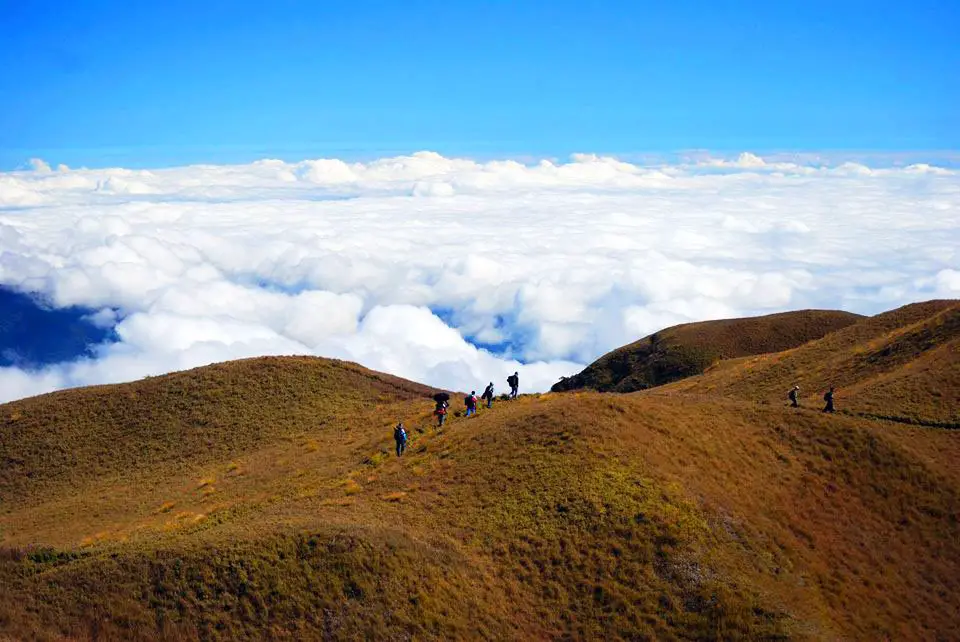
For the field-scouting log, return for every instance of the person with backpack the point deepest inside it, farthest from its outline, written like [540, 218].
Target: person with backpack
[488, 394]
[400, 436]
[441, 412]
[828, 397]
[514, 382]
[793, 396]
[470, 401]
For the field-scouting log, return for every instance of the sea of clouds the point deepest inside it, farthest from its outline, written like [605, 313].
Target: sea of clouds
[455, 272]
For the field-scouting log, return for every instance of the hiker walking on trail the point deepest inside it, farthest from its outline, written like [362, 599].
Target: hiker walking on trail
[400, 436]
[488, 394]
[514, 382]
[470, 401]
[828, 397]
[442, 399]
[793, 395]
[441, 413]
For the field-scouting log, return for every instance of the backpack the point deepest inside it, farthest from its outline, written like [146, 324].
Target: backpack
[466, 401]
[400, 434]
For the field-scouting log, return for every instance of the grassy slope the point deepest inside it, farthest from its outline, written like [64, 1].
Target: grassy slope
[904, 364]
[54, 442]
[686, 350]
[657, 516]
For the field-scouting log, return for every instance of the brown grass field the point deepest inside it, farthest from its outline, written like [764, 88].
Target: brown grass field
[685, 350]
[903, 365]
[261, 499]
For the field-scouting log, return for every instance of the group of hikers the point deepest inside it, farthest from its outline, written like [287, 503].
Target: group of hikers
[794, 397]
[471, 402]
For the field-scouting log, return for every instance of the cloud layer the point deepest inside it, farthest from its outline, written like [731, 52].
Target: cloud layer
[455, 272]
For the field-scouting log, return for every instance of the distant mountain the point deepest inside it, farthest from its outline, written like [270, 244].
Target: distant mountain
[263, 499]
[689, 349]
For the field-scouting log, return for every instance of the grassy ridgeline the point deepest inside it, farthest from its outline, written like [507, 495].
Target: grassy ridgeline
[261, 499]
[686, 350]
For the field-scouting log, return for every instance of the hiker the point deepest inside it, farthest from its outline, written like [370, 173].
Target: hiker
[828, 397]
[441, 412]
[400, 435]
[488, 394]
[794, 393]
[514, 382]
[442, 399]
[470, 401]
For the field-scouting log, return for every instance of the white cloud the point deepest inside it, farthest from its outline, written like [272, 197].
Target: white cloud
[117, 185]
[947, 283]
[40, 166]
[396, 263]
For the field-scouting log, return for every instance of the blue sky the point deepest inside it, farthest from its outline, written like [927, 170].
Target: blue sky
[105, 82]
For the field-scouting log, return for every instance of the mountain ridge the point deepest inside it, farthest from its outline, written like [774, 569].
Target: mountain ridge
[901, 364]
[688, 349]
[262, 499]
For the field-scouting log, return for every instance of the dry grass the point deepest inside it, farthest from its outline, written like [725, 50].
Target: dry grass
[685, 350]
[903, 365]
[212, 414]
[657, 515]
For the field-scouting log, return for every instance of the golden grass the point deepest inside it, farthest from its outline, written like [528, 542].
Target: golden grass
[903, 365]
[662, 515]
[686, 350]
[209, 414]
[351, 487]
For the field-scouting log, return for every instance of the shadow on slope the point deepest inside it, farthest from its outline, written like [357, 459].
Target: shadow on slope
[689, 349]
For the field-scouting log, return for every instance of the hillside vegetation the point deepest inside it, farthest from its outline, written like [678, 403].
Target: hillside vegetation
[685, 512]
[689, 349]
[902, 365]
[63, 439]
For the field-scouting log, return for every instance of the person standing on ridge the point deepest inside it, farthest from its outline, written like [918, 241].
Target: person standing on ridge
[794, 393]
[400, 436]
[470, 401]
[828, 397]
[514, 382]
[488, 394]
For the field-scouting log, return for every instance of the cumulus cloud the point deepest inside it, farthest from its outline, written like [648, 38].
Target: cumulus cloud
[39, 165]
[456, 272]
